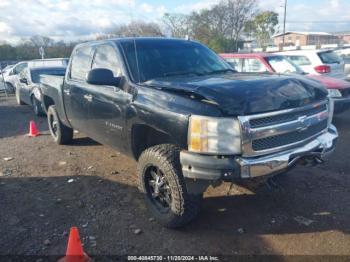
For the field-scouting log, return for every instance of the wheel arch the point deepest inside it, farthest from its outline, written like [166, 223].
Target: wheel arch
[47, 102]
[144, 136]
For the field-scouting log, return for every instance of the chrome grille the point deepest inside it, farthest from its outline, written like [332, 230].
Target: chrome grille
[276, 131]
[277, 119]
[289, 138]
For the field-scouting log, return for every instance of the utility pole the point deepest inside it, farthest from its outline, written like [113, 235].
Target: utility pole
[284, 21]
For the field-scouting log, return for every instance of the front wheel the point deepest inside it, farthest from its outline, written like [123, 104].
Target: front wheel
[61, 134]
[162, 182]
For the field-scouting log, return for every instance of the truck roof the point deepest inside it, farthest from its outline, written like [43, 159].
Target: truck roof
[137, 40]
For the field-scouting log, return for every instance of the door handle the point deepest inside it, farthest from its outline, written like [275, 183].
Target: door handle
[88, 97]
[66, 91]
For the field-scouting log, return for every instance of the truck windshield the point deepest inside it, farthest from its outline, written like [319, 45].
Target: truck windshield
[171, 58]
[283, 65]
[37, 73]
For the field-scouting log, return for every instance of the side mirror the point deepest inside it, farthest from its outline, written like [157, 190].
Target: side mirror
[24, 81]
[102, 76]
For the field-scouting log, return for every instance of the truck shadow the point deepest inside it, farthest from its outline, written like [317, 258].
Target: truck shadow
[84, 141]
[14, 120]
[106, 209]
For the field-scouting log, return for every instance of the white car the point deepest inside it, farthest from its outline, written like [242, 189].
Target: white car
[318, 62]
[11, 76]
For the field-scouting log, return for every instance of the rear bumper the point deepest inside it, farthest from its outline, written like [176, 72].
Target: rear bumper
[206, 167]
[341, 104]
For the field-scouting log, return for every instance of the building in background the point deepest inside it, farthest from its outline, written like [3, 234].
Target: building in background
[306, 38]
[344, 37]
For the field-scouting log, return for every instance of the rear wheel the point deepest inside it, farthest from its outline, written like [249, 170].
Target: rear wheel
[61, 134]
[37, 108]
[18, 97]
[163, 184]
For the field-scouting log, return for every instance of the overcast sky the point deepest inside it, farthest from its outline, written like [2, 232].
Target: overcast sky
[72, 18]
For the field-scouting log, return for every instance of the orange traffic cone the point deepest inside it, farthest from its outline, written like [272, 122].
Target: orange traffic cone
[74, 251]
[33, 131]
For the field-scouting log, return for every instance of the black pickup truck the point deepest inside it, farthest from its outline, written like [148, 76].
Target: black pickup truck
[187, 117]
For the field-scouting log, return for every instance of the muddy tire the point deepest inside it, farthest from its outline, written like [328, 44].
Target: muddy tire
[61, 134]
[162, 183]
[36, 105]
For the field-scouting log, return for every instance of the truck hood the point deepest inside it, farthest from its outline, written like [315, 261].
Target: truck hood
[244, 94]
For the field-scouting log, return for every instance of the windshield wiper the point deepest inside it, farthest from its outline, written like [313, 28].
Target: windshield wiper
[221, 71]
[182, 73]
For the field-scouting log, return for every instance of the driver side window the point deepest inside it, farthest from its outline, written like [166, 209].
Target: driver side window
[106, 57]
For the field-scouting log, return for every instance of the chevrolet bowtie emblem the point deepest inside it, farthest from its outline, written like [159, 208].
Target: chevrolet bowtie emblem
[304, 124]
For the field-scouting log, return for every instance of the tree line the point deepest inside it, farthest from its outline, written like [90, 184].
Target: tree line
[222, 27]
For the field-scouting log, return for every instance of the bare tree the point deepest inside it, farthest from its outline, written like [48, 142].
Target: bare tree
[138, 28]
[239, 13]
[222, 24]
[38, 41]
[178, 24]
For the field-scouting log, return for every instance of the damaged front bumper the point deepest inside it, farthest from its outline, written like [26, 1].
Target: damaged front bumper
[206, 167]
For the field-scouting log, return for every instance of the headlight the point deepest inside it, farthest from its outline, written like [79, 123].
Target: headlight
[331, 111]
[334, 93]
[212, 135]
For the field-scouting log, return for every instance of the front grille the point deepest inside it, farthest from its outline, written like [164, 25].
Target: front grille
[278, 119]
[282, 130]
[289, 138]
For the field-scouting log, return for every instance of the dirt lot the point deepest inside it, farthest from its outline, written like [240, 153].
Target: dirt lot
[308, 214]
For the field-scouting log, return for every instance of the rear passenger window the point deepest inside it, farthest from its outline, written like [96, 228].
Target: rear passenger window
[81, 63]
[252, 65]
[300, 60]
[106, 57]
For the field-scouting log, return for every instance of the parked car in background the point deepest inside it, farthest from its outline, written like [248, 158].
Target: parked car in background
[347, 67]
[28, 89]
[7, 69]
[49, 62]
[317, 62]
[11, 75]
[343, 51]
[3, 74]
[338, 89]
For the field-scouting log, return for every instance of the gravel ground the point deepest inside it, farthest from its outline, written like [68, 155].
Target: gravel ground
[45, 189]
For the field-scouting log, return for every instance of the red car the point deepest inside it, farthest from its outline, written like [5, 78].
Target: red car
[338, 89]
